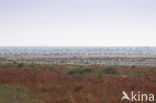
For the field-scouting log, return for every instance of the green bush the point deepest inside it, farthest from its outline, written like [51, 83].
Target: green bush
[110, 70]
[131, 72]
[80, 71]
[51, 67]
[32, 66]
[133, 66]
[20, 65]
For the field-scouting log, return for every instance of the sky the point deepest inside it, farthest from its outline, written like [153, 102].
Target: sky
[77, 22]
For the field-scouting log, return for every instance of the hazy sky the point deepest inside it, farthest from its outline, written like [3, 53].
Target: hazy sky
[78, 22]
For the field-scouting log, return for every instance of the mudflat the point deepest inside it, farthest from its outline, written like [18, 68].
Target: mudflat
[81, 59]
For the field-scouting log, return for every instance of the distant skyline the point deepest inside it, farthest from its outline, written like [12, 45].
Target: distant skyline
[77, 22]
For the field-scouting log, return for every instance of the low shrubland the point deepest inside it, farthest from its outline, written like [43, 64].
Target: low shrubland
[44, 83]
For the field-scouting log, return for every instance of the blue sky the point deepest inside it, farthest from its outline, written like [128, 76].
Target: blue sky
[77, 22]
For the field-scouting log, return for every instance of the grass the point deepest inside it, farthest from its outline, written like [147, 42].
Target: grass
[14, 94]
[36, 83]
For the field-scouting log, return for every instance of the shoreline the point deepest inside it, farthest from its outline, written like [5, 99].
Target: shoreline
[81, 59]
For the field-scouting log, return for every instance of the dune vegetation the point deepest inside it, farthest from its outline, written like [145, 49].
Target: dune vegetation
[44, 83]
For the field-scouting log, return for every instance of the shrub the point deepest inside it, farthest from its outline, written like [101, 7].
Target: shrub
[80, 71]
[20, 65]
[71, 72]
[51, 67]
[110, 70]
[133, 66]
[85, 71]
[32, 66]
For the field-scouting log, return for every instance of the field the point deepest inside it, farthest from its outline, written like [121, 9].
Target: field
[45, 83]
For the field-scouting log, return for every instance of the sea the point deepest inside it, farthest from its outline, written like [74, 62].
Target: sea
[79, 50]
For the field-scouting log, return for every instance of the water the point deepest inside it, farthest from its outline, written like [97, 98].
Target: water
[86, 50]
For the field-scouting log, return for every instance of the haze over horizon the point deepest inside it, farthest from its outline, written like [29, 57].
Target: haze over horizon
[77, 23]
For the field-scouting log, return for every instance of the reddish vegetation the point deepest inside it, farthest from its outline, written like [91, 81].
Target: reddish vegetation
[64, 88]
